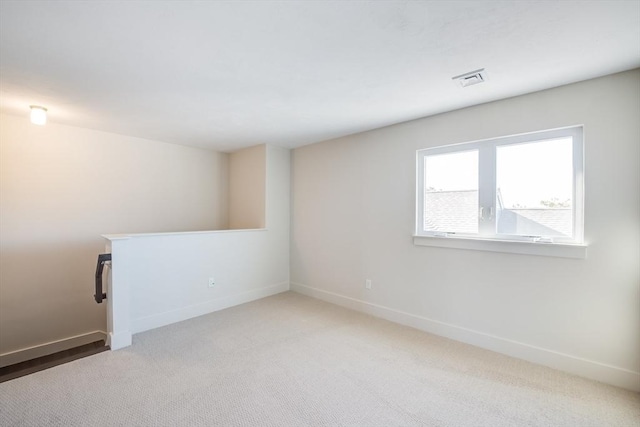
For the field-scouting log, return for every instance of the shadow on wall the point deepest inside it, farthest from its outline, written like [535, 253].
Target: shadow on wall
[247, 188]
[46, 292]
[61, 188]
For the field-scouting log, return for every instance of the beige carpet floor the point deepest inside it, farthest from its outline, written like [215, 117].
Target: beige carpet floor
[290, 360]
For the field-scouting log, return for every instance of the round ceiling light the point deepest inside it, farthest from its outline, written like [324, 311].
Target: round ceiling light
[38, 115]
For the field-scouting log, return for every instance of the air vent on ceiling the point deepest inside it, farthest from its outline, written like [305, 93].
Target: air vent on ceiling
[471, 78]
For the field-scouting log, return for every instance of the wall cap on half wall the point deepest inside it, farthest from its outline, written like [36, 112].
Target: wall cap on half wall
[173, 233]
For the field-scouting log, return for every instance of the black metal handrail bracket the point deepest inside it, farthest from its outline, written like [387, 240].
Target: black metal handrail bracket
[99, 295]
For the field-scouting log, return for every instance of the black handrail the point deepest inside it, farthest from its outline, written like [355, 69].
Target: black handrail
[99, 295]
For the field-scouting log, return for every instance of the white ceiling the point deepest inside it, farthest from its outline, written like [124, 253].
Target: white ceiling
[226, 75]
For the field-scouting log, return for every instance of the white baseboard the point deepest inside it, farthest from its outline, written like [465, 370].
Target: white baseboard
[613, 375]
[34, 352]
[184, 313]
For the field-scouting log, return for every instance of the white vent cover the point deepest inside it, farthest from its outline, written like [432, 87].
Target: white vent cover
[471, 78]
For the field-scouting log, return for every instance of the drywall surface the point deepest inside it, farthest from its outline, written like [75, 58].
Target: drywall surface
[353, 204]
[247, 177]
[61, 188]
[159, 279]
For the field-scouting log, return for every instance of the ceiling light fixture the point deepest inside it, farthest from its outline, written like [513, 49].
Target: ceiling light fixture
[471, 78]
[38, 115]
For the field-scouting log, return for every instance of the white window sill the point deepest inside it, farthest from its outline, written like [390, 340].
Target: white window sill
[562, 250]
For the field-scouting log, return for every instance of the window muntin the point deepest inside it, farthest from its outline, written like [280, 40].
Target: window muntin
[529, 188]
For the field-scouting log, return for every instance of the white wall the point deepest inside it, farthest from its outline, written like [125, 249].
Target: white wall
[247, 176]
[353, 202]
[160, 279]
[61, 188]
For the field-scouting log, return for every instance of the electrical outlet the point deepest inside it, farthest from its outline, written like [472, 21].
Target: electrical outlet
[367, 283]
[212, 282]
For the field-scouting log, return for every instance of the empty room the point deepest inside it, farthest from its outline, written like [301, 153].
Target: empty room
[319, 213]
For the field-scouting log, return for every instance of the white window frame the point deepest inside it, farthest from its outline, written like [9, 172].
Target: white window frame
[487, 237]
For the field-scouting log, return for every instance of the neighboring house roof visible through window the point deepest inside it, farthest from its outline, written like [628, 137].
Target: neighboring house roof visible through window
[457, 211]
[452, 211]
[536, 222]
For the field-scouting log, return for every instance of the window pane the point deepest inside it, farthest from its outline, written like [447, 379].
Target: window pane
[535, 188]
[451, 192]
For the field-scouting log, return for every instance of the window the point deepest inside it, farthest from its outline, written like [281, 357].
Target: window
[522, 188]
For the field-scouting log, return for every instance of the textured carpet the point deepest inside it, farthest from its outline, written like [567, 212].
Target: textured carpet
[290, 360]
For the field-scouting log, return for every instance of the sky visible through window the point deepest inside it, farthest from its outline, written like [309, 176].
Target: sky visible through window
[452, 171]
[536, 172]
[529, 175]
